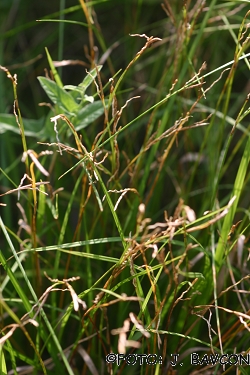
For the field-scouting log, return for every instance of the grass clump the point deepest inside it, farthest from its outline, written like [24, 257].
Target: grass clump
[124, 218]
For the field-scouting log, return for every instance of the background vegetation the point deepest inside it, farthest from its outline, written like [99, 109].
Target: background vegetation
[124, 140]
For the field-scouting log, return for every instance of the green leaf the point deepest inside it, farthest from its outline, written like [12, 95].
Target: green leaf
[192, 275]
[32, 128]
[2, 362]
[90, 78]
[82, 87]
[41, 208]
[58, 95]
[228, 221]
[15, 283]
[88, 114]
[53, 69]
[73, 88]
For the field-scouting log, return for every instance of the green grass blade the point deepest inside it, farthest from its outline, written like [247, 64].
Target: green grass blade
[221, 249]
[53, 69]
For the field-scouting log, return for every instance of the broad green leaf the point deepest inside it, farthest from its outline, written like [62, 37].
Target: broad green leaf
[82, 87]
[90, 78]
[58, 95]
[73, 88]
[88, 114]
[32, 128]
[78, 94]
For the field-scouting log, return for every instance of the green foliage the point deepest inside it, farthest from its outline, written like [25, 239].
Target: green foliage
[124, 200]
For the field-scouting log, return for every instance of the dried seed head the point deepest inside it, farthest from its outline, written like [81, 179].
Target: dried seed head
[141, 209]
